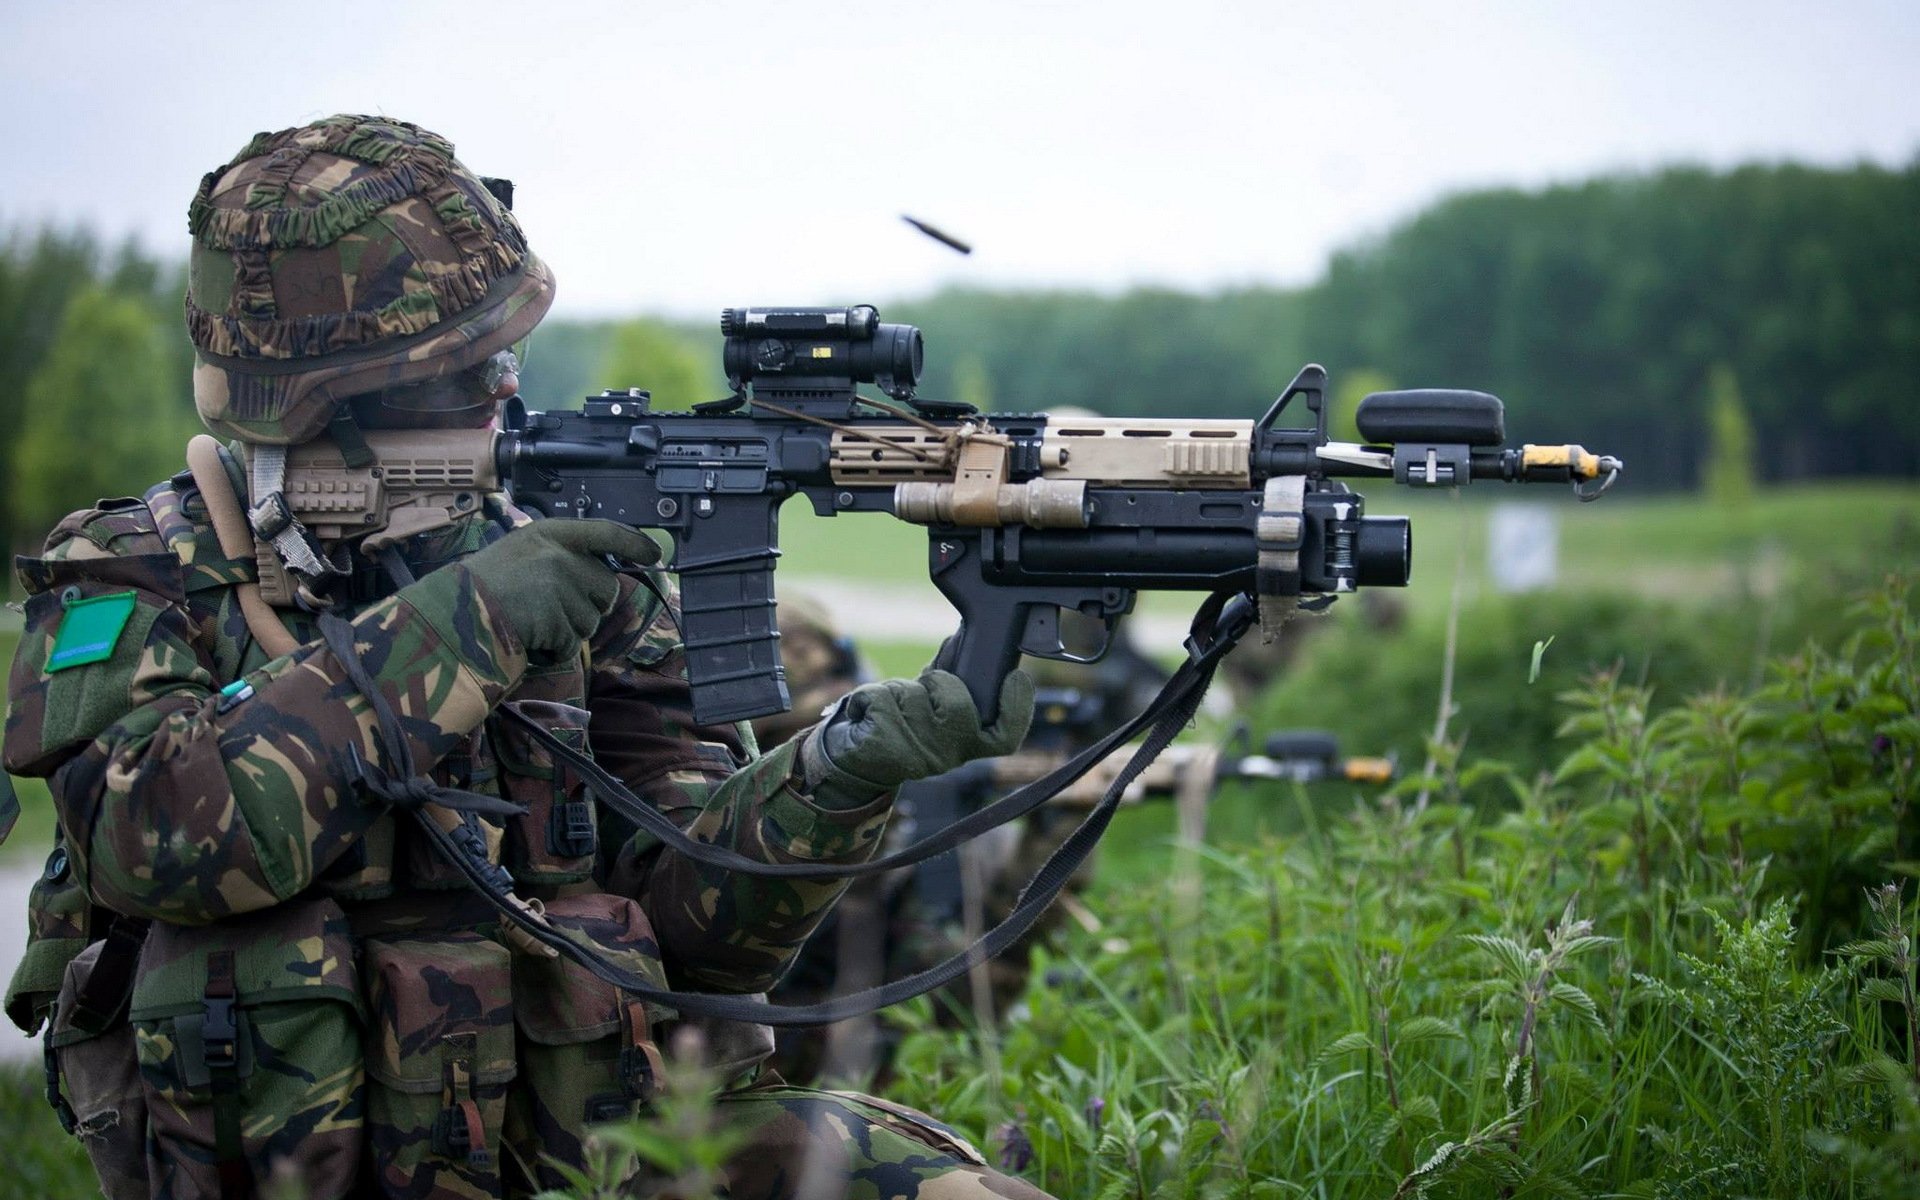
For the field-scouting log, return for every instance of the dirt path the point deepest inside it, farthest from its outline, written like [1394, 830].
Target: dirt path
[17, 874]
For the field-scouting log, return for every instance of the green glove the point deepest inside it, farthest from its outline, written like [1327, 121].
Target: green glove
[551, 581]
[883, 734]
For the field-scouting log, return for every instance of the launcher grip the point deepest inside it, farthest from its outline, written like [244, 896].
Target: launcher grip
[727, 616]
[1003, 618]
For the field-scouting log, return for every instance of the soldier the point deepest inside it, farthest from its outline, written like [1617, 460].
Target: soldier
[248, 963]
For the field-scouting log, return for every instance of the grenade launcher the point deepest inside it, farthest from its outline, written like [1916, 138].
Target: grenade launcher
[1026, 514]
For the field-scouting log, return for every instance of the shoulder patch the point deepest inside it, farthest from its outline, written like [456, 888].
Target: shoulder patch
[89, 630]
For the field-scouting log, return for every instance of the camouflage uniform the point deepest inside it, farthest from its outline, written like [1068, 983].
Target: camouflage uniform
[316, 992]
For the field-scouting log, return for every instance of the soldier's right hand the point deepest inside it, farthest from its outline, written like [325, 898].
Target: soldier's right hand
[551, 580]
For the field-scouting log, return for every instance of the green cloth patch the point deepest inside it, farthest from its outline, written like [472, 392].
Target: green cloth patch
[89, 630]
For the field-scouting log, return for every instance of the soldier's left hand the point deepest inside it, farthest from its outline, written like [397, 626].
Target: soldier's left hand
[883, 734]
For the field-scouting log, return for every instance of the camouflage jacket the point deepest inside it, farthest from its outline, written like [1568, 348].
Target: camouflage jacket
[206, 787]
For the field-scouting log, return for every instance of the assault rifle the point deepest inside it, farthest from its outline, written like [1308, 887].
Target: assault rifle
[1026, 514]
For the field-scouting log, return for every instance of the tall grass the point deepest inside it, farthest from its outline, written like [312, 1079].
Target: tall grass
[1651, 972]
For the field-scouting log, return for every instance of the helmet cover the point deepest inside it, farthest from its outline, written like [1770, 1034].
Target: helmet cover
[352, 255]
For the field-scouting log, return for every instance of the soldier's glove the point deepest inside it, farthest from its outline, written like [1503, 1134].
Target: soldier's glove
[883, 734]
[551, 581]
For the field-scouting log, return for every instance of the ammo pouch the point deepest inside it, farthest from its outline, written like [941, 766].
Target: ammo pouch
[586, 1049]
[99, 1083]
[248, 1039]
[59, 924]
[555, 839]
[440, 1055]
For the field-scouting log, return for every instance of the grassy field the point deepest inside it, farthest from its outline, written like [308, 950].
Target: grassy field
[1678, 965]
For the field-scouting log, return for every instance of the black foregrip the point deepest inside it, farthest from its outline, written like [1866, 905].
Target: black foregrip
[986, 647]
[732, 643]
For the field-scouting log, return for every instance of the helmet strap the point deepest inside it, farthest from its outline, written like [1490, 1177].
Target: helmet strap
[345, 432]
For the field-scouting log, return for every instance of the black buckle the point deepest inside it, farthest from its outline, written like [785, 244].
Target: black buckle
[570, 829]
[271, 517]
[219, 1032]
[450, 1133]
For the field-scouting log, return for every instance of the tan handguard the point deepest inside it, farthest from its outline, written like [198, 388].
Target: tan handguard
[961, 478]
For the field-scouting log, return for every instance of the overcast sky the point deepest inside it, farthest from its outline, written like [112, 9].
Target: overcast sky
[677, 157]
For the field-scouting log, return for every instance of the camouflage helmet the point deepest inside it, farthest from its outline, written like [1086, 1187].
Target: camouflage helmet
[347, 256]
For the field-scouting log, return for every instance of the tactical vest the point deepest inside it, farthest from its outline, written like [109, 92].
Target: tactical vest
[373, 1035]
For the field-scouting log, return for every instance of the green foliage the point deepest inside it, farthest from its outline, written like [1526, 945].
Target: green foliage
[102, 415]
[43, 1162]
[1593, 983]
[652, 356]
[40, 277]
[1349, 389]
[1728, 473]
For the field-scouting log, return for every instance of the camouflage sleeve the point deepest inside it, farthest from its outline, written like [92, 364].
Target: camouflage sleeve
[189, 802]
[717, 931]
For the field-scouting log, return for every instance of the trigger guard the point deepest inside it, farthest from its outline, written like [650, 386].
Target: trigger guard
[1041, 637]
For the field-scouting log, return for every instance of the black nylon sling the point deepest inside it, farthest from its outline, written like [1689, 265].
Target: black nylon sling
[1221, 621]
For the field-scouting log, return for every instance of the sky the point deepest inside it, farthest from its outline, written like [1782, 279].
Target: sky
[676, 158]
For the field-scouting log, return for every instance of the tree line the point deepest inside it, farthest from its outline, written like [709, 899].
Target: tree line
[1626, 312]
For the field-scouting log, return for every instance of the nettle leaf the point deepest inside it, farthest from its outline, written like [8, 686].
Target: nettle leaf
[1420, 1110]
[1875, 948]
[1513, 959]
[1426, 1029]
[1518, 1084]
[1887, 990]
[1580, 945]
[1580, 1002]
[1878, 1071]
[1346, 1044]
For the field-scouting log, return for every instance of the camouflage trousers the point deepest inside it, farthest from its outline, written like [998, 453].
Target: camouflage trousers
[804, 1144]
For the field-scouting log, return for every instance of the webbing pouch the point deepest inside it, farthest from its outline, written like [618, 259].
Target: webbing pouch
[440, 1057]
[247, 1033]
[555, 839]
[59, 924]
[97, 1077]
[587, 1052]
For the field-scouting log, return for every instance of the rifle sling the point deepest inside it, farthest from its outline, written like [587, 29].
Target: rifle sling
[1218, 625]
